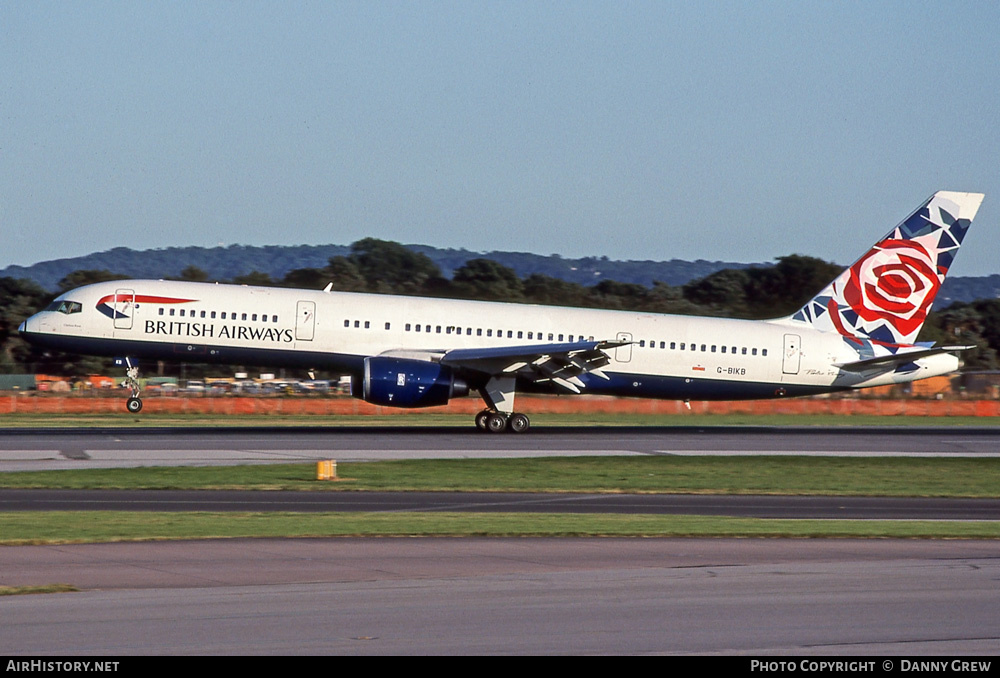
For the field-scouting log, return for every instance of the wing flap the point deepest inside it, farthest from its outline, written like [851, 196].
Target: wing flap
[562, 364]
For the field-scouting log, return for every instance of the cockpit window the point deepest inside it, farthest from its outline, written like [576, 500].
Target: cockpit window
[65, 306]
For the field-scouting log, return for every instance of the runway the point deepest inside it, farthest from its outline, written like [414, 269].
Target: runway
[50, 449]
[743, 506]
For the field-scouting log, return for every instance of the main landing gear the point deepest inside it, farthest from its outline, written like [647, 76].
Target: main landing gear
[498, 422]
[499, 415]
[134, 402]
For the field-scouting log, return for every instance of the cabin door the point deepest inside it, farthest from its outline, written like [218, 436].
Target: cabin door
[124, 309]
[793, 354]
[623, 354]
[305, 320]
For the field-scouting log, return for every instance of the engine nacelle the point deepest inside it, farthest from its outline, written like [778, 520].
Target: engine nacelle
[399, 382]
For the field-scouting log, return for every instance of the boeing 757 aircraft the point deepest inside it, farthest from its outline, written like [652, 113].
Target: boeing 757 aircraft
[859, 331]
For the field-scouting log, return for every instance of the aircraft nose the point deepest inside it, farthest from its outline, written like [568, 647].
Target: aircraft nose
[23, 327]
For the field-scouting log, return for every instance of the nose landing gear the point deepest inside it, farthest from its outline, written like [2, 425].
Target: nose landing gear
[134, 405]
[134, 402]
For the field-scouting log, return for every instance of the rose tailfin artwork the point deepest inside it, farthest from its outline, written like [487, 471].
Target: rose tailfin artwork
[881, 302]
[886, 295]
[859, 331]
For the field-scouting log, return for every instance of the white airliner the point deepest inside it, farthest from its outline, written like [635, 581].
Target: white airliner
[403, 351]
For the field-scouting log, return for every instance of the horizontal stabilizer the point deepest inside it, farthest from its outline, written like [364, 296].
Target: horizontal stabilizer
[900, 358]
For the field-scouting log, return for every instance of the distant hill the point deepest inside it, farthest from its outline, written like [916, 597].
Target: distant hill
[225, 263]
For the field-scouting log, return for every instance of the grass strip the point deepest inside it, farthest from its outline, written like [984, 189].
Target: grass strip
[827, 476]
[114, 526]
[28, 590]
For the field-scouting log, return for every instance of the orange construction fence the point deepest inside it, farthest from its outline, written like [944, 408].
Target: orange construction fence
[69, 404]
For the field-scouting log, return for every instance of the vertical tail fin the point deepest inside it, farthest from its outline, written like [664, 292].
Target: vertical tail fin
[886, 295]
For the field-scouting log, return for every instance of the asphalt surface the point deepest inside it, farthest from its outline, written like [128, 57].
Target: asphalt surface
[22, 450]
[864, 508]
[749, 597]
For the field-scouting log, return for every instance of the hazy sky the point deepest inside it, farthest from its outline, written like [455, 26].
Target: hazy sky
[739, 131]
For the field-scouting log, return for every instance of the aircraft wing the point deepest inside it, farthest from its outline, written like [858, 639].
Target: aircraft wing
[562, 364]
[900, 358]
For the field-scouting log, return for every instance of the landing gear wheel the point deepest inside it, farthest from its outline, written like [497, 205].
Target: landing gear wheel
[496, 422]
[518, 423]
[481, 420]
[134, 405]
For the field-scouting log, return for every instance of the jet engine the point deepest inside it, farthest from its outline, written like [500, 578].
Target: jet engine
[401, 382]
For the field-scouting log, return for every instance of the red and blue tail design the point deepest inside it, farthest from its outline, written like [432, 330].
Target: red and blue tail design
[886, 295]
